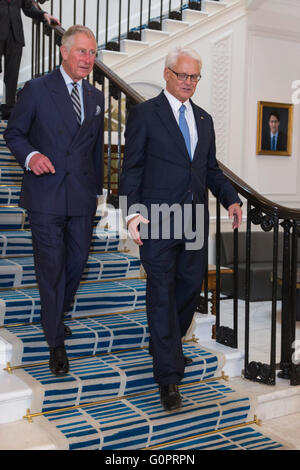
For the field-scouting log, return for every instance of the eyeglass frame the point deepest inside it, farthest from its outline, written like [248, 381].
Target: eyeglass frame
[186, 76]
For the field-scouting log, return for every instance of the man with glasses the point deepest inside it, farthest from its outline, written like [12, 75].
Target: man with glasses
[170, 159]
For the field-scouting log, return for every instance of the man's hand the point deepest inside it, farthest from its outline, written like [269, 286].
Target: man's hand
[40, 165]
[235, 212]
[51, 19]
[133, 228]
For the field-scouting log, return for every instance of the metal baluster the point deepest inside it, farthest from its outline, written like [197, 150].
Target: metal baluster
[60, 11]
[50, 51]
[38, 39]
[43, 51]
[285, 302]
[295, 368]
[120, 19]
[170, 8]
[97, 22]
[74, 12]
[271, 379]
[32, 50]
[141, 18]
[149, 12]
[247, 288]
[84, 12]
[218, 263]
[106, 24]
[235, 286]
[119, 150]
[109, 144]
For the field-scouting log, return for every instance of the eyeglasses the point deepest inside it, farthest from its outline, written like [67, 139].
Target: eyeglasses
[184, 76]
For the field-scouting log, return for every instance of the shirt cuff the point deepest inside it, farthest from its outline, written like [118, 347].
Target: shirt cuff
[129, 217]
[28, 160]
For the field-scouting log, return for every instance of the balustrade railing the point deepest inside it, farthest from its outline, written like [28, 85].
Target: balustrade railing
[258, 211]
[114, 20]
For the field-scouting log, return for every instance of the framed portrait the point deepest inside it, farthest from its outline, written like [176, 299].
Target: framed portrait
[274, 128]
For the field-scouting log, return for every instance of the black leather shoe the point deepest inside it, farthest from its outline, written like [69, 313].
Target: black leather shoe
[58, 362]
[187, 361]
[68, 331]
[170, 397]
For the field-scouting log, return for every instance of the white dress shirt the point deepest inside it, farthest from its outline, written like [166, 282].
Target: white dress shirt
[69, 83]
[189, 116]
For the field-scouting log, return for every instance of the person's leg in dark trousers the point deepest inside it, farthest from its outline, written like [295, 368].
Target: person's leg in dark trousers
[12, 52]
[189, 277]
[78, 239]
[61, 245]
[159, 258]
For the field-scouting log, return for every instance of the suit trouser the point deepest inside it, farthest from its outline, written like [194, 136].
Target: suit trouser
[174, 282]
[61, 246]
[12, 52]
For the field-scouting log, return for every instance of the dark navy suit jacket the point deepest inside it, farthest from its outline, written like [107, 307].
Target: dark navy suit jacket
[157, 168]
[10, 17]
[43, 120]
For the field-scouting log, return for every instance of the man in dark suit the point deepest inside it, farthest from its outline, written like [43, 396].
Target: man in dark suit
[170, 159]
[56, 133]
[273, 138]
[12, 42]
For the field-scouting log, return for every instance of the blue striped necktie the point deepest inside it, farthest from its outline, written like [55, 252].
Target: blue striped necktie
[76, 102]
[273, 143]
[183, 125]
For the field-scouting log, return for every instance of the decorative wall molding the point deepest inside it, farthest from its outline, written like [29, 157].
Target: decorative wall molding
[220, 90]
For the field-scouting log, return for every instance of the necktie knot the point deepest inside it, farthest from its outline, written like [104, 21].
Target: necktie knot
[182, 109]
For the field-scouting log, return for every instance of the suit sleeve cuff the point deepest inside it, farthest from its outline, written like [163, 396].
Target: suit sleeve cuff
[28, 160]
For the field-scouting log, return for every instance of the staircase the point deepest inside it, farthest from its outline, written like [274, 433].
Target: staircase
[109, 399]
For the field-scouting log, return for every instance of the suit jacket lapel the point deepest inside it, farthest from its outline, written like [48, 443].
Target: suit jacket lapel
[199, 124]
[166, 115]
[61, 97]
[88, 103]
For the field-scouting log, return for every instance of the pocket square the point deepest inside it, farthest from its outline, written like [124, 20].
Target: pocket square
[98, 110]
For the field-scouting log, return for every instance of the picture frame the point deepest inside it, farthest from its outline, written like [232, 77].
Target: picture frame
[274, 128]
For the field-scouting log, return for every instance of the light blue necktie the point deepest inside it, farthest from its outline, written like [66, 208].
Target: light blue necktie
[183, 125]
[273, 143]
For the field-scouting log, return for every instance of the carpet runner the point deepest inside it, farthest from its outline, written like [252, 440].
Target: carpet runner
[19, 243]
[16, 272]
[110, 387]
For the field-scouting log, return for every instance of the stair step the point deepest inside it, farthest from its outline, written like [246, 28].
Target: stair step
[101, 334]
[23, 305]
[9, 195]
[107, 376]
[131, 47]
[211, 6]
[174, 26]
[11, 175]
[193, 16]
[19, 242]
[140, 422]
[111, 58]
[16, 272]
[153, 36]
[6, 157]
[15, 218]
[242, 438]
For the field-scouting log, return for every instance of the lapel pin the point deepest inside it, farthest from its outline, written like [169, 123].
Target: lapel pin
[202, 117]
